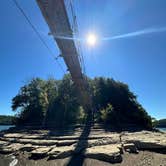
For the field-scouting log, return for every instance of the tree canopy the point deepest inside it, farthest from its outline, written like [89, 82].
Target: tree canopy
[56, 102]
[6, 120]
[160, 123]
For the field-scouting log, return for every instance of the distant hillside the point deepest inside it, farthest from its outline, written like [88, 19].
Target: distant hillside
[160, 123]
[6, 120]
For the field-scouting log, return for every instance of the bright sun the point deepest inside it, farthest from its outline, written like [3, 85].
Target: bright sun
[91, 39]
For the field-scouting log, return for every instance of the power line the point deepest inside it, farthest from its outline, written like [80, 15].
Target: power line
[37, 33]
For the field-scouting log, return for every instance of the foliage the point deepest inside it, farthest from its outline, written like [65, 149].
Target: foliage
[55, 102]
[33, 101]
[107, 115]
[123, 106]
[65, 108]
[46, 102]
[6, 120]
[81, 117]
[159, 123]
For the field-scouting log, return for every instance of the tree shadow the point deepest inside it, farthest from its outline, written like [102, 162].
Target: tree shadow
[77, 159]
[123, 127]
[159, 150]
[61, 131]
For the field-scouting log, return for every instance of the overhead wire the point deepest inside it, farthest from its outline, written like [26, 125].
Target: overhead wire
[37, 33]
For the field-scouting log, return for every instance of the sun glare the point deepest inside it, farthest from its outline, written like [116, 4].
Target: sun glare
[91, 39]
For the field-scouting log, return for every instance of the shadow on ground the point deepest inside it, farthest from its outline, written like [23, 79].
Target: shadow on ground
[78, 158]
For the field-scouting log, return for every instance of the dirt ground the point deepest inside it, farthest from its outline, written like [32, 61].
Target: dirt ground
[144, 158]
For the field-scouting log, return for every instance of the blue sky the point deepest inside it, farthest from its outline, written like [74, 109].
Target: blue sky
[138, 61]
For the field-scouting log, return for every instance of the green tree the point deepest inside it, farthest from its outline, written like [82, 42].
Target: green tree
[126, 109]
[32, 102]
[57, 103]
[66, 104]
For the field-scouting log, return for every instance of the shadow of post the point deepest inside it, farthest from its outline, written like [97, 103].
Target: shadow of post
[78, 158]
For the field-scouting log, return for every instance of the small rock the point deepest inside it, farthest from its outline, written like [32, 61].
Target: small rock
[43, 142]
[130, 147]
[146, 140]
[149, 145]
[98, 142]
[10, 148]
[109, 153]
[13, 135]
[3, 143]
[28, 147]
[62, 152]
[40, 152]
[66, 142]
[34, 136]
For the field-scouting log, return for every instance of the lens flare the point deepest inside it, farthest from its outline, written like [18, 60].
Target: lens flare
[91, 39]
[137, 33]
